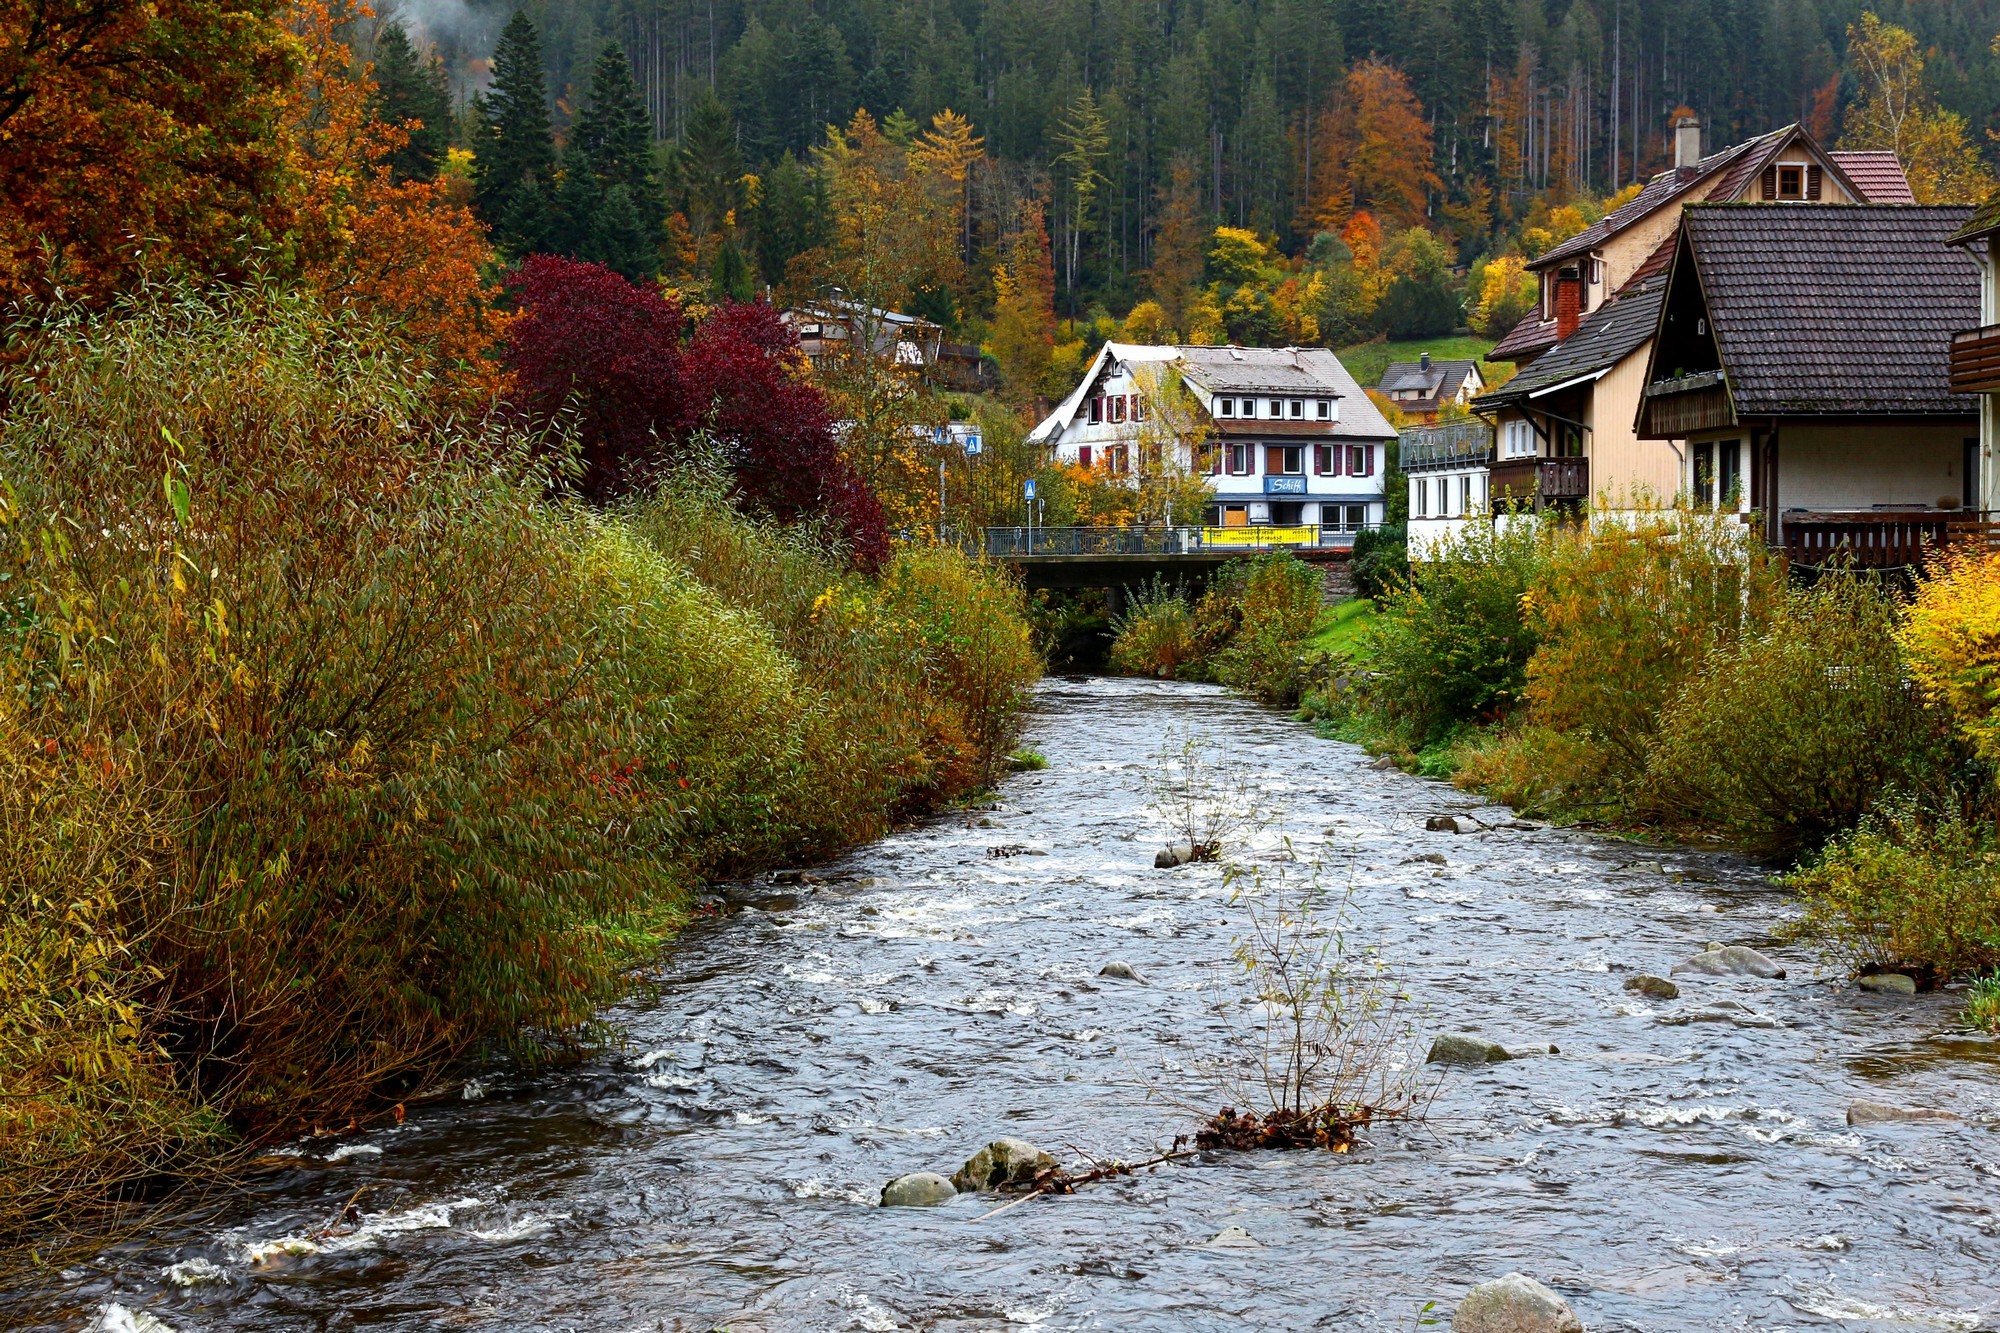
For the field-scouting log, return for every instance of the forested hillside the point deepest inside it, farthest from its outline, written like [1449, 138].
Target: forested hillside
[1519, 96]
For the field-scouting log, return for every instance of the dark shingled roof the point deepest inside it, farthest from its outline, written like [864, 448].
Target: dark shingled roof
[1531, 335]
[1607, 336]
[1439, 379]
[1843, 310]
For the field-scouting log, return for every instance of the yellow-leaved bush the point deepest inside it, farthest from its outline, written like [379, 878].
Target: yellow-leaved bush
[1950, 638]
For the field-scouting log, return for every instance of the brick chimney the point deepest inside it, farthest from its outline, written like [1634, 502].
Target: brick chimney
[1687, 143]
[1424, 360]
[1569, 302]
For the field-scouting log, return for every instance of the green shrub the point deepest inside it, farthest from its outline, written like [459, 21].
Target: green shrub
[1905, 893]
[1622, 611]
[1154, 635]
[1452, 645]
[1982, 1002]
[1794, 732]
[1280, 607]
[1381, 559]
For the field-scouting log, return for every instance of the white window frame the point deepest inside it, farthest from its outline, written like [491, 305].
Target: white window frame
[1325, 409]
[1225, 407]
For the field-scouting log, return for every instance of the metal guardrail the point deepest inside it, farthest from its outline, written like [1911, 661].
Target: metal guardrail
[1451, 444]
[1026, 543]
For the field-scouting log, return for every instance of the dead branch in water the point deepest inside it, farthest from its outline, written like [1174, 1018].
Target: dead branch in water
[1057, 1180]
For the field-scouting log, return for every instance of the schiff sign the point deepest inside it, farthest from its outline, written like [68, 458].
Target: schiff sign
[1284, 485]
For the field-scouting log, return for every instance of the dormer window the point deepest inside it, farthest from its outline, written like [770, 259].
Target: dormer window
[1271, 408]
[1791, 182]
[1225, 407]
[1298, 408]
[1326, 409]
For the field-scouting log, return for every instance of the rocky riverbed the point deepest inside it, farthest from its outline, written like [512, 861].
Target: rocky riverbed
[1688, 1157]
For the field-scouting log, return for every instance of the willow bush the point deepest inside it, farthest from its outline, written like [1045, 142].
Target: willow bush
[1155, 634]
[332, 752]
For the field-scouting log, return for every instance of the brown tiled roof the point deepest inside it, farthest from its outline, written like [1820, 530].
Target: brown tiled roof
[1843, 310]
[1241, 428]
[1743, 161]
[1607, 336]
[1533, 334]
[1877, 174]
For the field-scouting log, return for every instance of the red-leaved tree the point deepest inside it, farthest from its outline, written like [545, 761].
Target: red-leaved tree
[643, 385]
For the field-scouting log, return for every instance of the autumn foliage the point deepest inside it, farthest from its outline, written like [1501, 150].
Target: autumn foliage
[645, 389]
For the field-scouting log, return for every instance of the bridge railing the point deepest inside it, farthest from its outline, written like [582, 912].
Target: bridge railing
[1019, 543]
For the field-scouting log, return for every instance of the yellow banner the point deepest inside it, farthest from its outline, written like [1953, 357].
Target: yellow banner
[1264, 536]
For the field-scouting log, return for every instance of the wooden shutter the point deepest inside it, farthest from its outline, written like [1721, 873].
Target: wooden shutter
[1771, 182]
[1083, 455]
[1274, 460]
[1815, 181]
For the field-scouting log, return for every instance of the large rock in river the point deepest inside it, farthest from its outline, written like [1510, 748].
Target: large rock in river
[1001, 1162]
[1865, 1112]
[1514, 1304]
[919, 1189]
[1731, 961]
[1462, 1048]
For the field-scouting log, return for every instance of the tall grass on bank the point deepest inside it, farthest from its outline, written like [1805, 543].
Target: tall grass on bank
[333, 753]
[1248, 630]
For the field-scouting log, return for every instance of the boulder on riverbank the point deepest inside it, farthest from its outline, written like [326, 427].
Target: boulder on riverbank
[919, 1189]
[1733, 960]
[1515, 1303]
[1864, 1112]
[1658, 988]
[1888, 983]
[1463, 1048]
[1002, 1162]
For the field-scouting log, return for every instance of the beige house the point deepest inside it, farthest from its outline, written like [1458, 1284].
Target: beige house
[1803, 356]
[1975, 352]
[1564, 427]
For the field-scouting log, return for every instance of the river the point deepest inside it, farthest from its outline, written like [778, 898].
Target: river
[720, 1169]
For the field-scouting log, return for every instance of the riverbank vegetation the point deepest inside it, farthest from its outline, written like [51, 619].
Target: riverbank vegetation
[1247, 629]
[1656, 672]
[339, 747]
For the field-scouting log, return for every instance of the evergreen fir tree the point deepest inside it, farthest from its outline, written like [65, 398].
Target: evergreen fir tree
[573, 210]
[708, 166]
[530, 224]
[411, 91]
[613, 139]
[791, 218]
[730, 278]
[517, 147]
[619, 240]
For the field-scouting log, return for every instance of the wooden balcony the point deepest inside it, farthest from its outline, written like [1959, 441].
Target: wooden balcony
[1975, 360]
[1882, 538]
[1539, 481]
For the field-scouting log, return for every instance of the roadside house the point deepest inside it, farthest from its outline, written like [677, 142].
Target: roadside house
[1803, 356]
[1284, 436]
[1563, 426]
[1975, 352]
[1421, 389]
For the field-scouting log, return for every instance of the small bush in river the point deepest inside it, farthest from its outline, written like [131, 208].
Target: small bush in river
[1982, 1002]
[1154, 636]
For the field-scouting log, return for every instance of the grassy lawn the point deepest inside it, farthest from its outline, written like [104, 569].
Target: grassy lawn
[1367, 361]
[1341, 626]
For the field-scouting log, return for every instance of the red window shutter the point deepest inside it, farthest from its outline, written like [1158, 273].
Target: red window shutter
[1367, 460]
[1815, 181]
[1771, 182]
[1083, 455]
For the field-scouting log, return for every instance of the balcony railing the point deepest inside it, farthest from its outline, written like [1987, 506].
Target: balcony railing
[1020, 543]
[1881, 538]
[1453, 444]
[1540, 480]
[1975, 360]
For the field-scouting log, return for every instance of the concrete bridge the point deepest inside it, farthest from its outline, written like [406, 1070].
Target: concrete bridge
[1118, 558]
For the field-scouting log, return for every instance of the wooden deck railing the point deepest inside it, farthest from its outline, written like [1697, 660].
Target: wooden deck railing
[1975, 360]
[1882, 539]
[1540, 479]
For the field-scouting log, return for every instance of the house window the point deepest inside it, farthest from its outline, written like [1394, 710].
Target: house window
[1791, 182]
[1096, 410]
[1423, 497]
[1517, 439]
[1323, 464]
[1083, 455]
[1357, 517]
[1294, 460]
[1729, 474]
[1465, 495]
[1271, 408]
[1225, 407]
[1325, 409]
[1703, 456]
[1138, 407]
[1118, 458]
[1215, 459]
[1361, 460]
[1117, 408]
[1242, 462]
[1298, 408]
